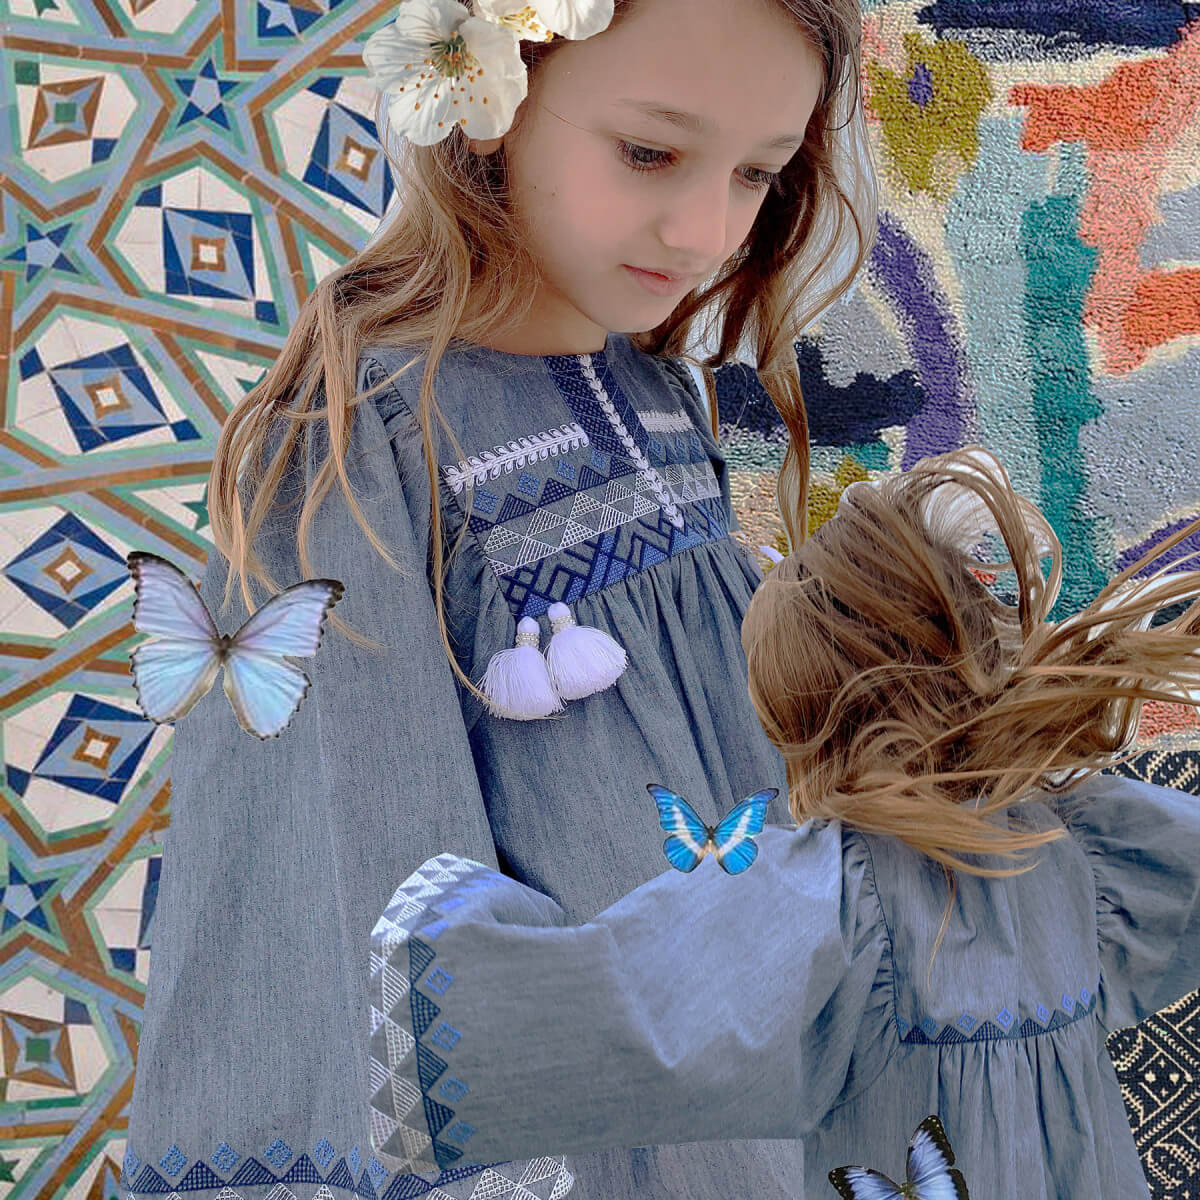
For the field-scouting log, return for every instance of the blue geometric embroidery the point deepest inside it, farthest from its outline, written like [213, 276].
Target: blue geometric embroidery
[172, 1162]
[404, 1185]
[225, 1156]
[279, 1152]
[639, 498]
[431, 1069]
[423, 1011]
[968, 1027]
[515, 453]
[445, 1036]
[439, 981]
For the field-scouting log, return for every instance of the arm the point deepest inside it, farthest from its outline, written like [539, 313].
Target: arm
[699, 1007]
[281, 853]
[1143, 843]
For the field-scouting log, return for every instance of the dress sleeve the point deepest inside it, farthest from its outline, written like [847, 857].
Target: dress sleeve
[280, 853]
[701, 1006]
[1143, 844]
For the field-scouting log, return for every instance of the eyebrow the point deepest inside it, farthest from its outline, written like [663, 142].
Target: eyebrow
[695, 124]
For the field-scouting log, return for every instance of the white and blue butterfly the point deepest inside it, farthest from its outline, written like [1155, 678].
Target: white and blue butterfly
[729, 840]
[930, 1172]
[179, 666]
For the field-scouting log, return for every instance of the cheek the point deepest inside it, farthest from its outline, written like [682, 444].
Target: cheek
[739, 229]
[588, 201]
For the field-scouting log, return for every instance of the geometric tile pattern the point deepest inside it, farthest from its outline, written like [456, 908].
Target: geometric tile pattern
[167, 208]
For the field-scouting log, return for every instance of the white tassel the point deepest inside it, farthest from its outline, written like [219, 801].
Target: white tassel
[582, 659]
[517, 682]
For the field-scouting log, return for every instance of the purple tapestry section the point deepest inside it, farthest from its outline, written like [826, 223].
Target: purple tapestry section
[1188, 548]
[902, 270]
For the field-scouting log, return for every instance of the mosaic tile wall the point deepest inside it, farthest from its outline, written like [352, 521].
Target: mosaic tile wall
[177, 174]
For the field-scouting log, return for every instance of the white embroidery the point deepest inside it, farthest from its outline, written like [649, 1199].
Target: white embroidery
[397, 1116]
[691, 481]
[654, 421]
[488, 464]
[645, 470]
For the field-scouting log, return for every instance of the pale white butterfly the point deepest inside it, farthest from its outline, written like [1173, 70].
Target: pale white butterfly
[179, 666]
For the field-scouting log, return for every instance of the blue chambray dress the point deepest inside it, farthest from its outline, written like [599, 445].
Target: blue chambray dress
[793, 1000]
[253, 1069]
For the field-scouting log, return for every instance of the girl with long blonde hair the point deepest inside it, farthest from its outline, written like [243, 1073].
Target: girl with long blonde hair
[965, 911]
[486, 426]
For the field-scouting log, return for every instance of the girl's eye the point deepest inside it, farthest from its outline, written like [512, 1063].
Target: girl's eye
[642, 158]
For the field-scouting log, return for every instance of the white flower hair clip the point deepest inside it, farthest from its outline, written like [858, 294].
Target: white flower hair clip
[441, 66]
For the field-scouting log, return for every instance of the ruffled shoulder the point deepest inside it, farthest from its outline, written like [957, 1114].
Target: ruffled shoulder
[1142, 843]
[878, 1038]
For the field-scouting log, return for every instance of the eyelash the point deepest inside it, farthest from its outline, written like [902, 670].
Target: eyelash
[771, 181]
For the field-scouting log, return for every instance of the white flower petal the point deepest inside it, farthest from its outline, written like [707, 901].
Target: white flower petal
[390, 50]
[442, 67]
[575, 18]
[503, 83]
[518, 15]
[539, 20]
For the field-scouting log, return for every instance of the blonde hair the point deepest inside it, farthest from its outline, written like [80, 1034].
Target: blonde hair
[453, 264]
[908, 699]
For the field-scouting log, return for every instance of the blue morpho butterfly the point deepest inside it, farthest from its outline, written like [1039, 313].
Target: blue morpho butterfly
[729, 840]
[930, 1171]
[172, 672]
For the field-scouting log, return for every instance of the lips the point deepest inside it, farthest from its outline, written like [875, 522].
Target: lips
[670, 276]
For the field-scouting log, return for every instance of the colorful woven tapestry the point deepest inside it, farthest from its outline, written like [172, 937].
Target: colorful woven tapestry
[1035, 288]
[178, 174]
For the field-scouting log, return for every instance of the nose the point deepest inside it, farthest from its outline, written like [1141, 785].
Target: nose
[695, 222]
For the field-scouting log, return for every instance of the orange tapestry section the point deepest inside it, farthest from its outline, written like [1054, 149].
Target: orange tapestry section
[1133, 124]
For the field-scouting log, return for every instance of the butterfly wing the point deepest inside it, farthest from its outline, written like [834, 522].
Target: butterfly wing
[735, 850]
[861, 1183]
[170, 676]
[676, 816]
[931, 1164]
[290, 623]
[166, 602]
[264, 689]
[171, 673]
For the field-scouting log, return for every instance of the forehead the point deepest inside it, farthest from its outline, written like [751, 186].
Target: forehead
[724, 67]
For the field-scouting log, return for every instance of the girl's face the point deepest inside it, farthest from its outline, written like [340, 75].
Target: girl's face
[602, 185]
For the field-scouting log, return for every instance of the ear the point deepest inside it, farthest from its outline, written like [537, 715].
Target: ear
[485, 146]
